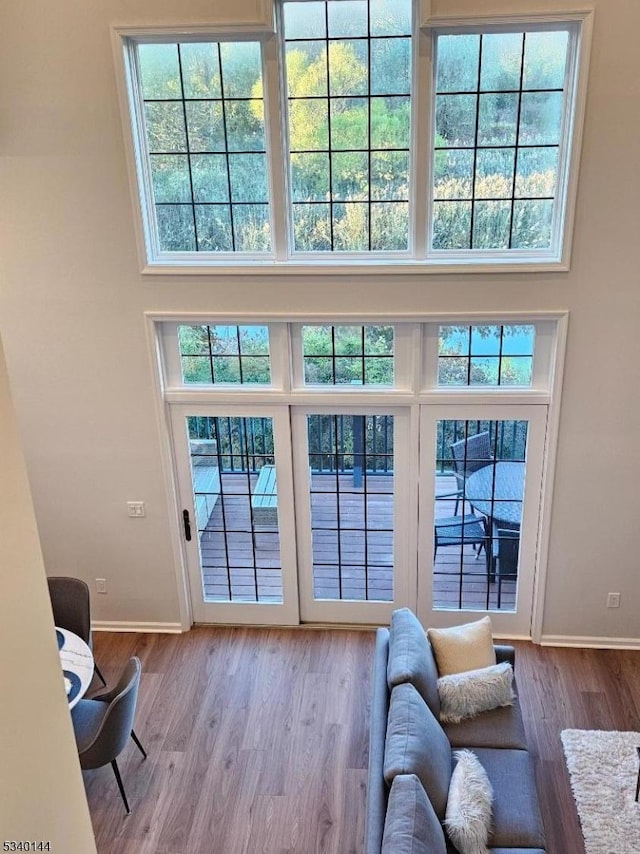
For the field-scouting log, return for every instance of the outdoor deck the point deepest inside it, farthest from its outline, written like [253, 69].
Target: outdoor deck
[459, 578]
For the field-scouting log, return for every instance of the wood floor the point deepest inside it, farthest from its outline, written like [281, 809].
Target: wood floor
[258, 738]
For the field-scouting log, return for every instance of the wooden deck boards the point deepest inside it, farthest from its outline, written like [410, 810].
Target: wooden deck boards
[229, 571]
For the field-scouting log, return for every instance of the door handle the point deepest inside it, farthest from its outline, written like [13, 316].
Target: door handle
[187, 525]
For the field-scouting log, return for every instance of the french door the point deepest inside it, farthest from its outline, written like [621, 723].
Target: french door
[236, 500]
[256, 555]
[480, 513]
[356, 509]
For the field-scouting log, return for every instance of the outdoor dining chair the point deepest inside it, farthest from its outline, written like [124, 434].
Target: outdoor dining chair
[505, 550]
[469, 455]
[460, 531]
[71, 606]
[103, 724]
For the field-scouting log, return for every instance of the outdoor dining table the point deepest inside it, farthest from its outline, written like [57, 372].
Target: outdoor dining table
[76, 660]
[496, 491]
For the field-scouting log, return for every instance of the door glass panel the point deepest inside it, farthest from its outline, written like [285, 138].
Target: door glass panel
[235, 498]
[352, 506]
[479, 491]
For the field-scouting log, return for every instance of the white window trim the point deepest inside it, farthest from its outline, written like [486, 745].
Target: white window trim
[281, 260]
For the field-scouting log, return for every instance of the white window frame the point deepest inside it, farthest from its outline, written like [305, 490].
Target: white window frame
[559, 253]
[282, 260]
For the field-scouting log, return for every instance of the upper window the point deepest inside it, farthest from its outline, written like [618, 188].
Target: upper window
[204, 137]
[500, 106]
[312, 147]
[348, 66]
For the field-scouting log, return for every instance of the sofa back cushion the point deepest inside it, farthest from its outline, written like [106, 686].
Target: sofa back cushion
[411, 825]
[411, 658]
[416, 744]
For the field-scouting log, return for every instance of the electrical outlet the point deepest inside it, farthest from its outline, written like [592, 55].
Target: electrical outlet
[613, 600]
[136, 509]
[101, 585]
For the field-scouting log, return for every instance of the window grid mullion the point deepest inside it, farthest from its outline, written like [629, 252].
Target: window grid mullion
[188, 149]
[475, 148]
[515, 158]
[226, 145]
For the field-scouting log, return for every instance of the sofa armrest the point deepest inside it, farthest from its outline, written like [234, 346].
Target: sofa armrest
[377, 792]
[505, 653]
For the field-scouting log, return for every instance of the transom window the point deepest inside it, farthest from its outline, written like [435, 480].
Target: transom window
[356, 355]
[486, 355]
[310, 147]
[225, 354]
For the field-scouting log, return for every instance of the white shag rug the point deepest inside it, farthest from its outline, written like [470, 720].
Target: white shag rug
[603, 767]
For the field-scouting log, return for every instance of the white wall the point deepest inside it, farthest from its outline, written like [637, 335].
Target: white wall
[42, 796]
[72, 303]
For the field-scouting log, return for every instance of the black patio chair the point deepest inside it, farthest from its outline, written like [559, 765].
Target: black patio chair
[460, 531]
[469, 455]
[505, 551]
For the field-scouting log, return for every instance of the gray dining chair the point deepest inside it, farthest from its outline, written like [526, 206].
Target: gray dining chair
[103, 724]
[71, 604]
[469, 455]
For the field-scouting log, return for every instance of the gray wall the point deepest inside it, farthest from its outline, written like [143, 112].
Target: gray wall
[72, 302]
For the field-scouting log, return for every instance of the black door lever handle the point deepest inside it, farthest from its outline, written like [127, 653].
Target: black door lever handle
[187, 525]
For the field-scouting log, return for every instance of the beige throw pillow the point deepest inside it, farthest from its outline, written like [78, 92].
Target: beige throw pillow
[461, 648]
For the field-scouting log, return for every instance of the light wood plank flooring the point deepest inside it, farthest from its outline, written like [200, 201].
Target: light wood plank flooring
[257, 738]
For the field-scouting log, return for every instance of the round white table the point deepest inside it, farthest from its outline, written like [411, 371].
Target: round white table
[76, 660]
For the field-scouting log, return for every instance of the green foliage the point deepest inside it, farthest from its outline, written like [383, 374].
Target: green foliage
[375, 358]
[205, 349]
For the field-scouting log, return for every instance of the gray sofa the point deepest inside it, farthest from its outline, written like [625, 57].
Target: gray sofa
[405, 695]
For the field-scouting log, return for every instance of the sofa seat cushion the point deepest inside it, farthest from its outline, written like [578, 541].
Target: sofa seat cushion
[501, 727]
[416, 744]
[451, 849]
[411, 826]
[517, 822]
[411, 658]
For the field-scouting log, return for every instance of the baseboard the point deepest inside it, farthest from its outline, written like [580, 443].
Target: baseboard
[123, 626]
[590, 642]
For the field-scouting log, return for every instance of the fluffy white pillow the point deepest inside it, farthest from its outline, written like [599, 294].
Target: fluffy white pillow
[463, 695]
[465, 647]
[468, 815]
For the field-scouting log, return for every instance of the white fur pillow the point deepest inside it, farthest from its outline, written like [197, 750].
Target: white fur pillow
[468, 815]
[463, 695]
